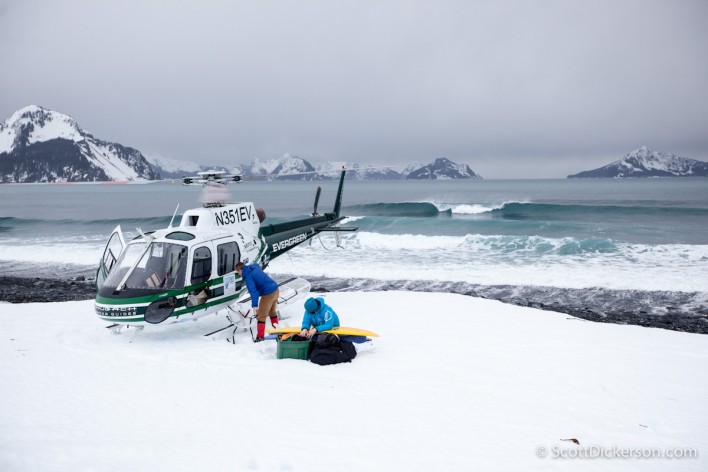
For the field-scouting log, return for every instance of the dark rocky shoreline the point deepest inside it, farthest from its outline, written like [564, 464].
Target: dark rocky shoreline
[36, 289]
[597, 305]
[676, 311]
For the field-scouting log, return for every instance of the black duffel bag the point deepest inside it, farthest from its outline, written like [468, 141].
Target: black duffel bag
[329, 349]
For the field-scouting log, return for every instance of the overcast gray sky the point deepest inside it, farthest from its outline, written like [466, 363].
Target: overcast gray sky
[519, 89]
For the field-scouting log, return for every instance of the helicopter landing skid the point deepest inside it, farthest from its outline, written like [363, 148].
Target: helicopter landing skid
[238, 321]
[218, 330]
[117, 328]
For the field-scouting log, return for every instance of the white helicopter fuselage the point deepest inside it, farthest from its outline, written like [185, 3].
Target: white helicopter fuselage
[188, 270]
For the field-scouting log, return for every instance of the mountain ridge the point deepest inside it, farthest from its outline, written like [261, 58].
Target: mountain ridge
[643, 162]
[42, 145]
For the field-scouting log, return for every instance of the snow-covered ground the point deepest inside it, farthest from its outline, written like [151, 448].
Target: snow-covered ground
[453, 383]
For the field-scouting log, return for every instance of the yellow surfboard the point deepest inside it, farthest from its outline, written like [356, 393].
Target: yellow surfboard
[340, 330]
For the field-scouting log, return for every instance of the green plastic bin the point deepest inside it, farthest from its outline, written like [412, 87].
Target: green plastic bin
[289, 349]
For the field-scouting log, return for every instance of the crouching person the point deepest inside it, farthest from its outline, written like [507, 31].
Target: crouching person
[318, 317]
[328, 348]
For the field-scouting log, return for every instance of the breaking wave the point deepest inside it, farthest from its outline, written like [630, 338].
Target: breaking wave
[517, 210]
[521, 210]
[412, 209]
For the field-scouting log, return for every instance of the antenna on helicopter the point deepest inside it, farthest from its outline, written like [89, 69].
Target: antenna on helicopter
[173, 216]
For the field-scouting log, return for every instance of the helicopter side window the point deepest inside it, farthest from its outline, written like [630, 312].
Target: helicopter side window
[110, 257]
[229, 255]
[113, 249]
[180, 235]
[201, 265]
[177, 266]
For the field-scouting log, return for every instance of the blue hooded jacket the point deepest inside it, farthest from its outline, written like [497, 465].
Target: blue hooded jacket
[323, 319]
[257, 282]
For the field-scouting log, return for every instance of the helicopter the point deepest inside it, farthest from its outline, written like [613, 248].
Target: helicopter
[187, 271]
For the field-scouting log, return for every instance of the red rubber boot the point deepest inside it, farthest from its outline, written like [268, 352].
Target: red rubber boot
[260, 332]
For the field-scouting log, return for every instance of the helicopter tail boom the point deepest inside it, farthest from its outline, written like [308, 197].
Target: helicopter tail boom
[281, 237]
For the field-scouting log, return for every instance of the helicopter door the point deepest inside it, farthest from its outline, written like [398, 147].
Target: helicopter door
[115, 246]
[201, 273]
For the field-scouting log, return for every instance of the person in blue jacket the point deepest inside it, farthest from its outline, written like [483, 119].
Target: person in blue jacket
[318, 317]
[264, 295]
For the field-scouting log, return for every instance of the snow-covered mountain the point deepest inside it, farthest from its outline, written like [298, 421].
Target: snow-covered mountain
[176, 169]
[410, 168]
[287, 164]
[369, 172]
[643, 162]
[441, 169]
[41, 145]
[356, 171]
[304, 170]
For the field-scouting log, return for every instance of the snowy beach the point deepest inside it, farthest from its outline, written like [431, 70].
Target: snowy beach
[453, 383]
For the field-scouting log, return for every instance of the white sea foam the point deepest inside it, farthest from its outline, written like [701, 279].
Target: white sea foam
[351, 219]
[503, 260]
[471, 208]
[53, 252]
[406, 242]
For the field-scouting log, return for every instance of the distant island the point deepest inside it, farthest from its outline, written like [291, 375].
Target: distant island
[643, 162]
[42, 145]
[443, 168]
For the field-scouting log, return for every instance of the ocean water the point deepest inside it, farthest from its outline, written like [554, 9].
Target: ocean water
[644, 241]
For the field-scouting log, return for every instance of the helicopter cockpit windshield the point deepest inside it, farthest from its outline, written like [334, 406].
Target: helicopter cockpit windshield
[160, 266]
